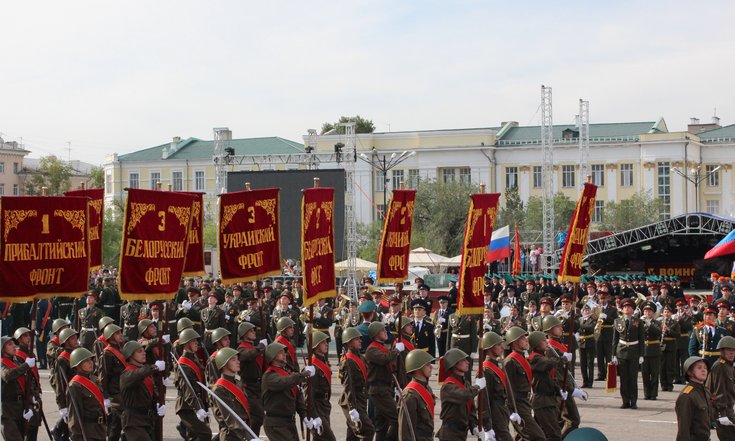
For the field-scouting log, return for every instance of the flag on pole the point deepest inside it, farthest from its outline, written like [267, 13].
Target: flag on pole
[194, 265]
[395, 242]
[96, 217]
[317, 244]
[570, 268]
[499, 246]
[517, 255]
[723, 248]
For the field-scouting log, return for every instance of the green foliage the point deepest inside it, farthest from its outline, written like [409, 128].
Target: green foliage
[54, 174]
[563, 212]
[368, 240]
[513, 212]
[112, 234]
[362, 125]
[97, 177]
[631, 213]
[210, 234]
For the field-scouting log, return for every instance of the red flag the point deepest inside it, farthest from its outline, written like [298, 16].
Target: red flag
[570, 268]
[517, 255]
[194, 265]
[96, 220]
[395, 243]
[317, 244]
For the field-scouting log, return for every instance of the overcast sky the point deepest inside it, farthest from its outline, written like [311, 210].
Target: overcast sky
[122, 76]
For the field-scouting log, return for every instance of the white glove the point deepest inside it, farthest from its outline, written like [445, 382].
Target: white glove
[475, 432]
[309, 423]
[31, 362]
[615, 360]
[441, 320]
[161, 410]
[725, 421]
[603, 316]
[338, 317]
[263, 342]
[578, 393]
[167, 382]
[201, 415]
[481, 383]
[317, 315]
[576, 336]
[64, 414]
[227, 317]
[490, 435]
[487, 326]
[108, 404]
[568, 356]
[400, 347]
[397, 393]
[564, 394]
[640, 360]
[247, 319]
[28, 414]
[186, 304]
[317, 425]
[209, 413]
[354, 416]
[514, 417]
[166, 338]
[160, 365]
[310, 370]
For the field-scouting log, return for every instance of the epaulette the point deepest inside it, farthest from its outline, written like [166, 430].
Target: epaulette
[722, 361]
[687, 389]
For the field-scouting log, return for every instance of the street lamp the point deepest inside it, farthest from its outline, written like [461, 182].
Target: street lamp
[695, 176]
[383, 165]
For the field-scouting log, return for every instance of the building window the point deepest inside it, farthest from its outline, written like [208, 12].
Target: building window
[713, 175]
[567, 176]
[598, 174]
[155, 179]
[397, 179]
[599, 214]
[712, 206]
[199, 180]
[177, 181]
[626, 175]
[511, 177]
[16, 168]
[134, 180]
[458, 174]
[447, 175]
[379, 181]
[413, 179]
[380, 213]
[15, 190]
[108, 181]
[538, 176]
[664, 189]
[465, 175]
[2, 189]
[2, 167]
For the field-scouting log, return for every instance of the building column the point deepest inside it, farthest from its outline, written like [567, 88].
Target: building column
[726, 207]
[612, 183]
[524, 182]
[677, 195]
[649, 177]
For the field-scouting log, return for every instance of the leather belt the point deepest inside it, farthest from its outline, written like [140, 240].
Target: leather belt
[709, 353]
[89, 329]
[684, 334]
[669, 338]
[606, 326]
[584, 337]
[628, 343]
[460, 335]
[129, 326]
[652, 342]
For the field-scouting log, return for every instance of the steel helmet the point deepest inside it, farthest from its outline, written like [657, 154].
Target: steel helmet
[549, 322]
[111, 329]
[187, 336]
[272, 350]
[184, 323]
[244, 328]
[58, 324]
[585, 434]
[104, 321]
[318, 337]
[130, 347]
[374, 328]
[5, 339]
[535, 338]
[218, 334]
[223, 356]
[417, 359]
[283, 323]
[78, 355]
[452, 357]
[726, 342]
[405, 321]
[65, 334]
[490, 339]
[350, 334]
[143, 325]
[689, 362]
[514, 334]
[19, 332]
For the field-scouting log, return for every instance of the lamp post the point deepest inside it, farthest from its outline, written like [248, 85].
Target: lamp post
[696, 176]
[383, 165]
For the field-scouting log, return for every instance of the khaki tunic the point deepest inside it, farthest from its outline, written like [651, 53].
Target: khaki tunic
[518, 381]
[12, 400]
[92, 414]
[721, 384]
[138, 408]
[498, 418]
[415, 414]
[456, 418]
[693, 413]
[229, 428]
[320, 401]
[251, 371]
[354, 396]
[281, 405]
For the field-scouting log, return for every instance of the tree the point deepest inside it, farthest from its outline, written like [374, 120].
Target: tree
[514, 212]
[362, 125]
[368, 240]
[641, 209]
[54, 174]
[97, 177]
[112, 234]
[563, 212]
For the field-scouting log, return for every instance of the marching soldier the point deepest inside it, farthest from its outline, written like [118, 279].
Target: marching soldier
[191, 309]
[651, 366]
[286, 332]
[497, 418]
[231, 312]
[546, 394]
[464, 335]
[230, 390]
[138, 394]
[101, 342]
[191, 404]
[670, 331]
[89, 318]
[87, 418]
[686, 324]
[181, 325]
[416, 413]
[587, 325]
[628, 342]
[284, 308]
[458, 412]
[54, 346]
[220, 340]
[694, 412]
[354, 377]
[569, 327]
[519, 376]
[281, 397]
[111, 366]
[321, 388]
[406, 335]
[150, 340]
[604, 334]
[721, 385]
[705, 337]
[441, 325]
[15, 382]
[69, 340]
[23, 353]
[129, 314]
[560, 353]
[251, 371]
[213, 317]
[380, 361]
[423, 336]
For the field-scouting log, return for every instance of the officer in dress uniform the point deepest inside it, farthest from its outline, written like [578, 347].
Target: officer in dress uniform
[458, 412]
[15, 381]
[628, 342]
[416, 413]
[604, 334]
[705, 337]
[424, 295]
[129, 314]
[282, 398]
[546, 307]
[694, 412]
[686, 324]
[651, 366]
[353, 375]
[231, 313]
[191, 309]
[587, 352]
[213, 317]
[89, 318]
[670, 331]
[323, 316]
[423, 336]
[88, 407]
[230, 390]
[110, 299]
[464, 335]
[441, 324]
[721, 384]
[138, 395]
[284, 308]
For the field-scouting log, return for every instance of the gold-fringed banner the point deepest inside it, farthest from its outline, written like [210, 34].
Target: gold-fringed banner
[395, 243]
[317, 244]
[570, 268]
[194, 265]
[96, 220]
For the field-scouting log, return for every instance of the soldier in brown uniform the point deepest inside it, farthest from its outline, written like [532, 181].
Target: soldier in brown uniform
[694, 412]
[458, 412]
[111, 364]
[281, 397]
[380, 366]
[497, 418]
[23, 338]
[89, 319]
[220, 339]
[251, 371]
[546, 394]
[100, 343]
[230, 390]
[670, 330]
[416, 412]
[191, 404]
[321, 389]
[53, 348]
[519, 376]
[407, 332]
[15, 382]
[138, 394]
[286, 330]
[87, 416]
[354, 377]
[69, 340]
[721, 384]
[213, 317]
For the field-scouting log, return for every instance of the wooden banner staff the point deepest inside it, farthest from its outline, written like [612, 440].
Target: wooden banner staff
[259, 296]
[481, 396]
[161, 353]
[309, 351]
[400, 368]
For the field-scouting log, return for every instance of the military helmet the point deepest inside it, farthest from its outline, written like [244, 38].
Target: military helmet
[19, 332]
[104, 321]
[535, 338]
[350, 334]
[111, 329]
[689, 362]
[130, 347]
[272, 350]
[452, 357]
[490, 339]
[244, 328]
[374, 328]
[143, 325]
[218, 334]
[5, 340]
[514, 334]
[184, 323]
[58, 324]
[318, 337]
[65, 334]
[549, 322]
[78, 355]
[726, 342]
[417, 359]
[585, 434]
[283, 323]
[187, 336]
[405, 321]
[223, 356]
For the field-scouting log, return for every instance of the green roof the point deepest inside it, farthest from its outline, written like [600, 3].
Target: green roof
[723, 134]
[604, 132]
[196, 149]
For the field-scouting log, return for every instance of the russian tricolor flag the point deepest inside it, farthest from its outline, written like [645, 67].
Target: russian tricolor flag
[499, 247]
[725, 247]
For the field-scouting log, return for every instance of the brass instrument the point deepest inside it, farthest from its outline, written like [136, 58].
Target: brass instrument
[598, 327]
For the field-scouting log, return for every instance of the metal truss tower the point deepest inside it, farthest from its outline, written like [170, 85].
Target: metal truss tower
[584, 141]
[349, 159]
[548, 263]
[222, 136]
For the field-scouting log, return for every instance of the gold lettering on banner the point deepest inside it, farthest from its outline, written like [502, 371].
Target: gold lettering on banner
[269, 205]
[316, 275]
[393, 208]
[251, 260]
[75, 217]
[398, 239]
[158, 276]
[397, 262]
[228, 212]
[94, 233]
[478, 286]
[328, 208]
[196, 210]
[248, 238]
[137, 211]
[193, 237]
[13, 218]
[17, 252]
[96, 206]
[475, 257]
[409, 208]
[154, 249]
[182, 214]
[46, 276]
[320, 246]
[308, 210]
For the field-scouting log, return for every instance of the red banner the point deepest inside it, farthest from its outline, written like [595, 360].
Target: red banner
[96, 220]
[154, 243]
[45, 247]
[516, 255]
[317, 244]
[477, 235]
[249, 235]
[395, 243]
[194, 265]
[575, 248]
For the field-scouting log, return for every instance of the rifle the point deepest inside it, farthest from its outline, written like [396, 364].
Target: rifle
[74, 406]
[186, 379]
[31, 378]
[351, 385]
[162, 320]
[511, 395]
[402, 404]
[76, 314]
[229, 409]
[483, 395]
